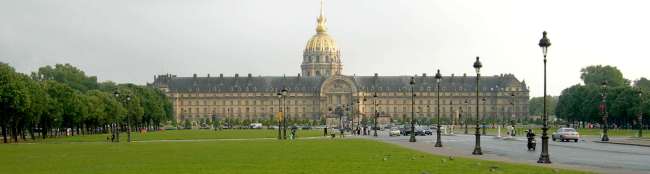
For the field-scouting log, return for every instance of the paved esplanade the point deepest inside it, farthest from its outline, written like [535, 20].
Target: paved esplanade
[597, 157]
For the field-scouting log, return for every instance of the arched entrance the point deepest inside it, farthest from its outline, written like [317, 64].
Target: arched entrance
[338, 101]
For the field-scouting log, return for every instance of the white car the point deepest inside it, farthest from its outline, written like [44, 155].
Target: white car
[566, 134]
[394, 132]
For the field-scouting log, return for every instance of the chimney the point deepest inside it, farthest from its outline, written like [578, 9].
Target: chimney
[376, 74]
[236, 75]
[208, 75]
[424, 74]
[221, 75]
[250, 75]
[194, 76]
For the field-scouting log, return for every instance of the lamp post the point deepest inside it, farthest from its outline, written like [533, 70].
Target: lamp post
[364, 116]
[467, 117]
[640, 117]
[477, 146]
[603, 110]
[483, 117]
[347, 109]
[125, 101]
[374, 102]
[284, 94]
[513, 116]
[355, 114]
[412, 83]
[280, 115]
[544, 157]
[438, 140]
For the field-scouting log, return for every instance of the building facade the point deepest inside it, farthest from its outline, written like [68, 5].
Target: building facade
[321, 91]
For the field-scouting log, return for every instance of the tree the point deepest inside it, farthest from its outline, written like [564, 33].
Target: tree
[187, 124]
[67, 74]
[596, 74]
[643, 84]
[14, 100]
[536, 106]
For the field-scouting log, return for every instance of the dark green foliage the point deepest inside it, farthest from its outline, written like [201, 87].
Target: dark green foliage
[536, 105]
[596, 74]
[581, 102]
[64, 101]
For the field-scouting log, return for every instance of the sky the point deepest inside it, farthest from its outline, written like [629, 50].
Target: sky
[133, 40]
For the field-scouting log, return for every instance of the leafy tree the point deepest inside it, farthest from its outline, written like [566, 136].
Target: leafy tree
[643, 84]
[187, 124]
[14, 100]
[67, 74]
[536, 106]
[596, 74]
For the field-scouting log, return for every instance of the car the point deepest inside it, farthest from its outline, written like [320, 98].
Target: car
[428, 131]
[566, 134]
[420, 132]
[394, 132]
[255, 126]
[407, 131]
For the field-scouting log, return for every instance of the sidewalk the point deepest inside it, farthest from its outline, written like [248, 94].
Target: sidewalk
[628, 141]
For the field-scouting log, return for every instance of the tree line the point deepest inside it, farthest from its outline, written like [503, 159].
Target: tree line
[581, 102]
[61, 100]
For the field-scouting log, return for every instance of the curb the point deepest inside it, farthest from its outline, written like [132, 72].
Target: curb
[630, 144]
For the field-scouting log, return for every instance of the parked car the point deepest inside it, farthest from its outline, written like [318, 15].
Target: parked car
[394, 132]
[566, 134]
[255, 126]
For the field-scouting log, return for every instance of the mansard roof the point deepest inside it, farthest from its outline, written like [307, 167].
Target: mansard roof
[313, 84]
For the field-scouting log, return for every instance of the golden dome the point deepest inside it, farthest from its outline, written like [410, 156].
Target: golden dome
[321, 41]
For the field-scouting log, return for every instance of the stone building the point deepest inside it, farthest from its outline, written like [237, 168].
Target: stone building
[321, 91]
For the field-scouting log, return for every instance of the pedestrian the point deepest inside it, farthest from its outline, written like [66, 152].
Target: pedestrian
[293, 132]
[325, 131]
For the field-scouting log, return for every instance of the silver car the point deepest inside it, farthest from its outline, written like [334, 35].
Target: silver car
[394, 132]
[566, 134]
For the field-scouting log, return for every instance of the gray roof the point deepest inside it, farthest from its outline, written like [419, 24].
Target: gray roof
[313, 84]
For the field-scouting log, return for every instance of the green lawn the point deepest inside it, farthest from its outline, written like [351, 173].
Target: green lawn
[241, 156]
[184, 135]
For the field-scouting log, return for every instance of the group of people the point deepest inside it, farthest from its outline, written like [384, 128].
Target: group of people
[358, 131]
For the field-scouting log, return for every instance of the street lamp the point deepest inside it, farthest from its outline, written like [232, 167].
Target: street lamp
[125, 101]
[438, 78]
[603, 110]
[544, 157]
[374, 102]
[355, 114]
[365, 126]
[467, 117]
[477, 146]
[412, 83]
[280, 115]
[483, 100]
[514, 115]
[284, 94]
[640, 117]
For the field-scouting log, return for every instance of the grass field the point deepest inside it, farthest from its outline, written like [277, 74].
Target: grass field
[183, 135]
[241, 156]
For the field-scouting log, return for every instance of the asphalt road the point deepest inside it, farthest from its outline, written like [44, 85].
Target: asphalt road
[586, 153]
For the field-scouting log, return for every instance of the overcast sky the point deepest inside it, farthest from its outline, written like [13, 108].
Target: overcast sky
[133, 40]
